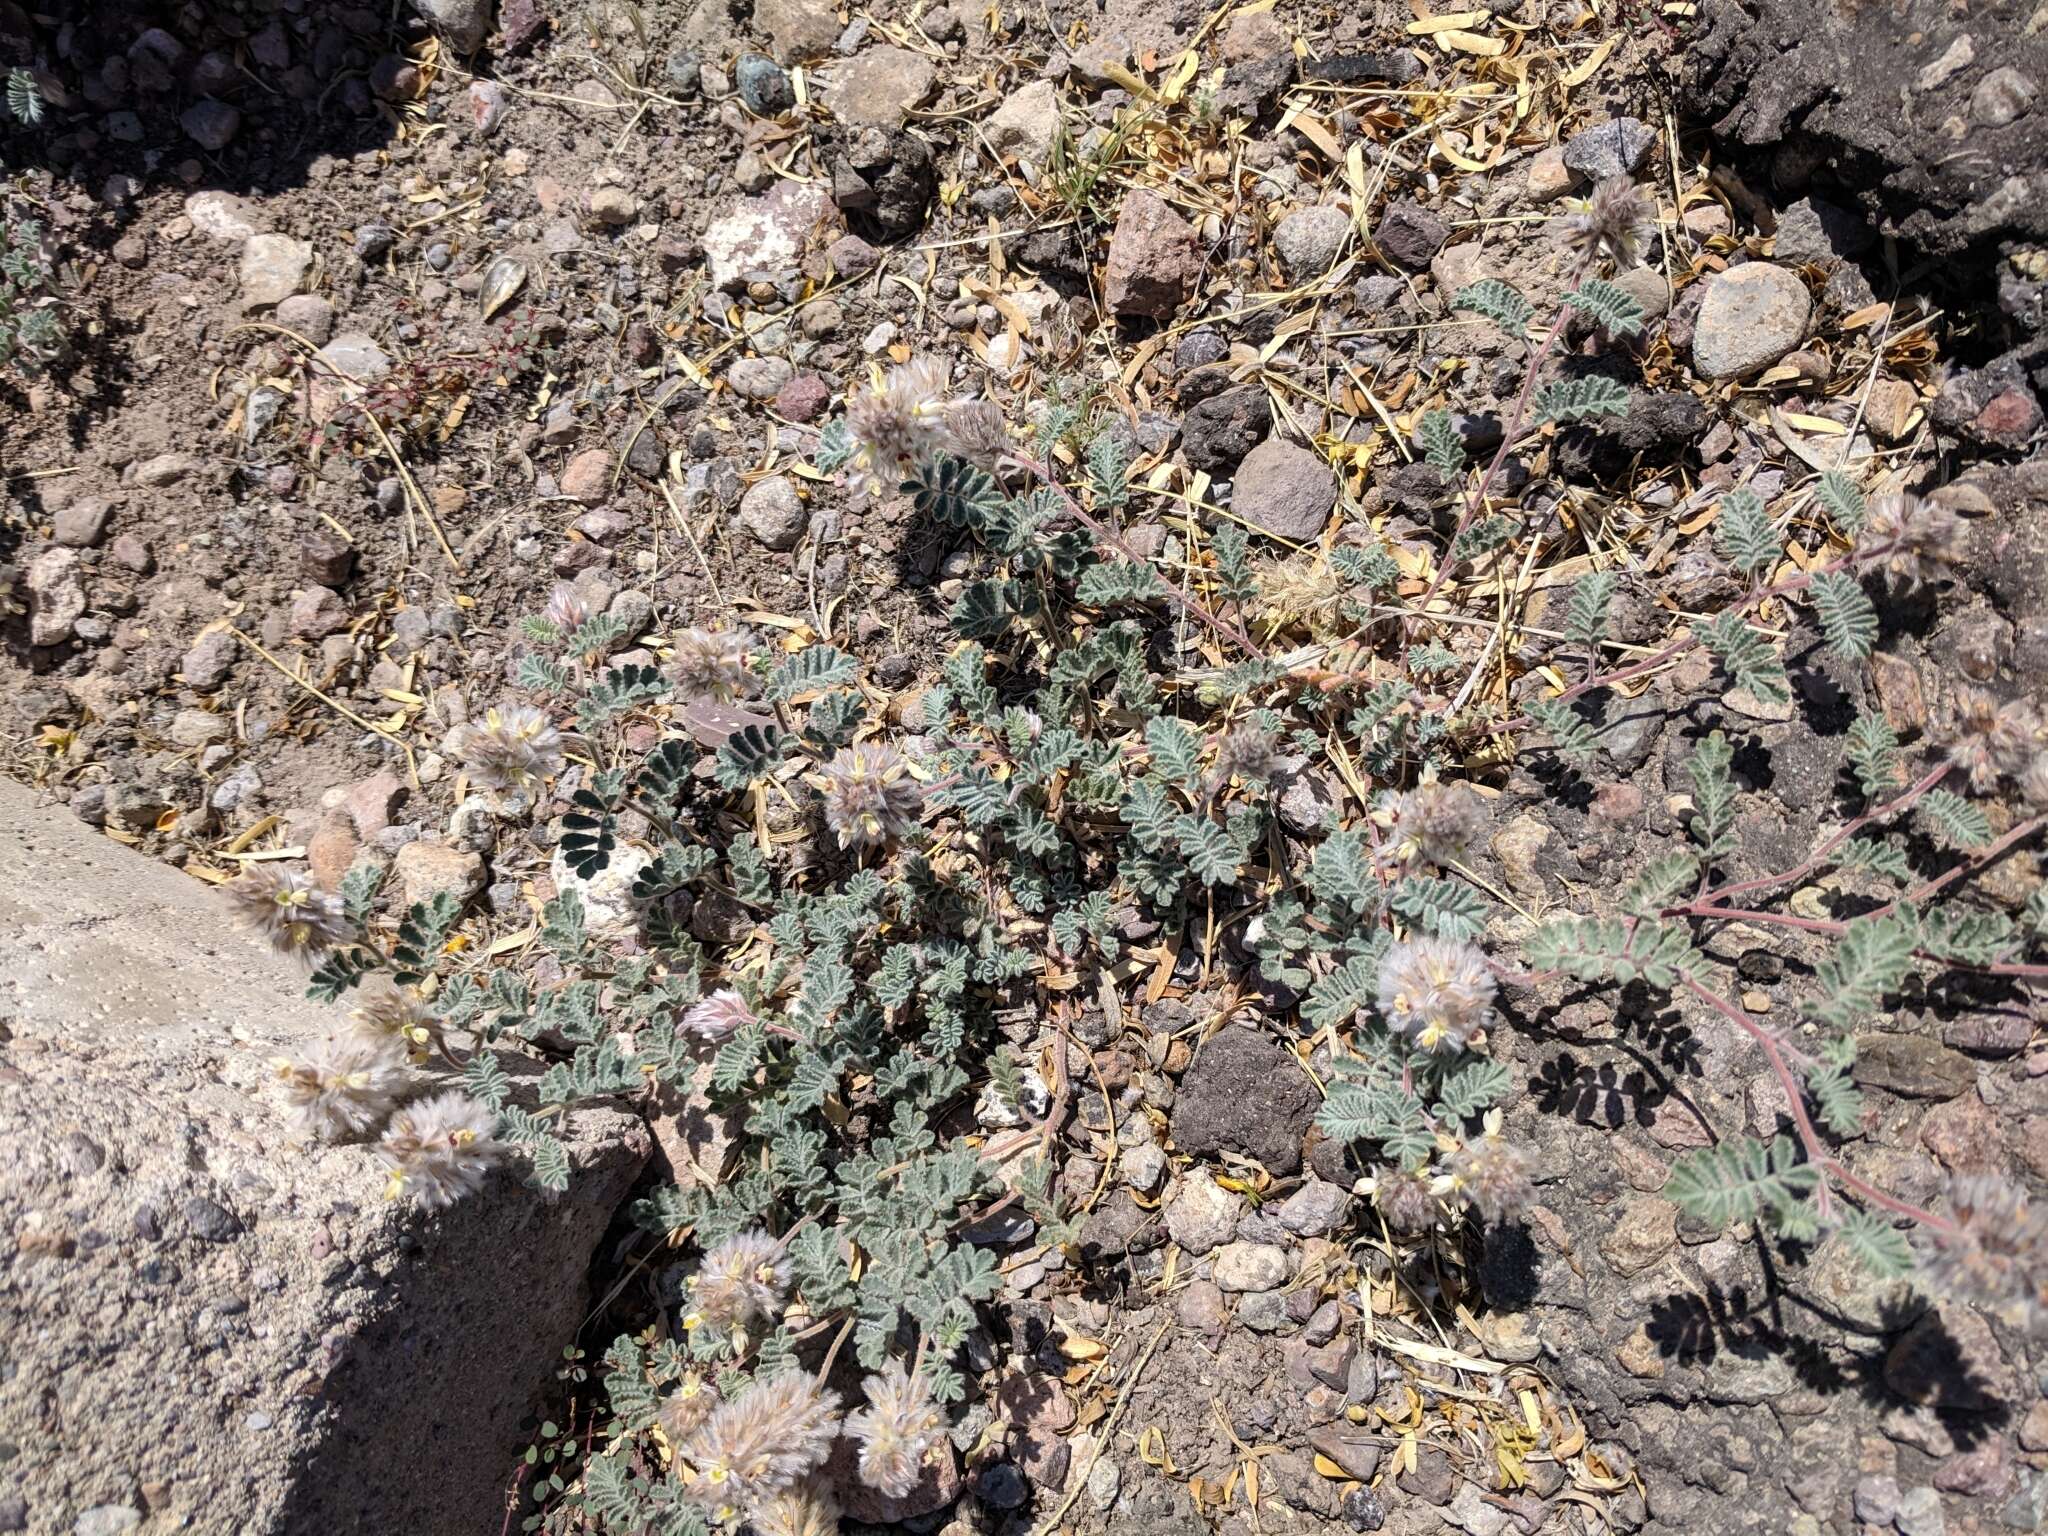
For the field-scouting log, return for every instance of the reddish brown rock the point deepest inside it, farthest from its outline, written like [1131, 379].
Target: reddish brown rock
[1154, 259]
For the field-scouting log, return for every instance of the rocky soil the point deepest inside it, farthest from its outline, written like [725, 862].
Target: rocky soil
[382, 328]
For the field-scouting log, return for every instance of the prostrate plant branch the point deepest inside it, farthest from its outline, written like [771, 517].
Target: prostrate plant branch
[1809, 1137]
[1510, 437]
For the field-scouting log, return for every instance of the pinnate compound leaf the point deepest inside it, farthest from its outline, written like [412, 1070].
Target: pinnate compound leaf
[811, 670]
[1876, 1244]
[1960, 824]
[1608, 305]
[1843, 501]
[1870, 960]
[1847, 616]
[1739, 1180]
[1713, 794]
[1585, 620]
[1873, 753]
[1443, 449]
[1449, 909]
[1604, 949]
[1745, 656]
[1744, 535]
[1498, 302]
[1658, 884]
[1341, 873]
[749, 753]
[1884, 857]
[1175, 750]
[1592, 395]
[1574, 740]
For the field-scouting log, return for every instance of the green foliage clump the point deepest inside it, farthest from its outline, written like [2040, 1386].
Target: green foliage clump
[32, 334]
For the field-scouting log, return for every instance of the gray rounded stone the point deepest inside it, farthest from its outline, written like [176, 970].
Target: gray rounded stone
[1752, 316]
[1286, 490]
[763, 85]
[1309, 240]
[773, 513]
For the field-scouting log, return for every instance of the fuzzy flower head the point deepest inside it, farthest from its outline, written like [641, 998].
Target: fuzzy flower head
[744, 1278]
[287, 908]
[869, 797]
[1916, 541]
[1997, 1256]
[712, 664]
[343, 1086]
[897, 1430]
[1436, 992]
[1306, 592]
[512, 748]
[1249, 753]
[898, 422]
[1405, 1199]
[567, 609]
[1437, 822]
[763, 1441]
[718, 1016]
[1615, 221]
[687, 1407]
[394, 1016]
[439, 1149]
[977, 432]
[805, 1510]
[1993, 739]
[1492, 1175]
[2034, 781]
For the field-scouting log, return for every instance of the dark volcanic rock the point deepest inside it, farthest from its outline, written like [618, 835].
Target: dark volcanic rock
[1219, 431]
[1245, 1093]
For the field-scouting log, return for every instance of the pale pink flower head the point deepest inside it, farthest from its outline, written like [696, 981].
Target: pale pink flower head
[343, 1085]
[1436, 992]
[287, 908]
[718, 1016]
[1437, 822]
[1913, 539]
[712, 664]
[897, 1430]
[742, 1280]
[439, 1149]
[1616, 220]
[1997, 1255]
[868, 796]
[1493, 1176]
[513, 748]
[762, 1442]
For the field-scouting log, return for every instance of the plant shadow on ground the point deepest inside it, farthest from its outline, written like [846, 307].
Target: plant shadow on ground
[1697, 1328]
[1649, 1033]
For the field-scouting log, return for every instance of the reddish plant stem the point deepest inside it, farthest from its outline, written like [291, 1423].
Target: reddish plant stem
[1834, 929]
[1971, 865]
[1877, 813]
[1809, 1137]
[1678, 645]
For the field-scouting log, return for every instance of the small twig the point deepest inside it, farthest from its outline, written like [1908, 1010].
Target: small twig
[683, 523]
[414, 495]
[1080, 1479]
[339, 708]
